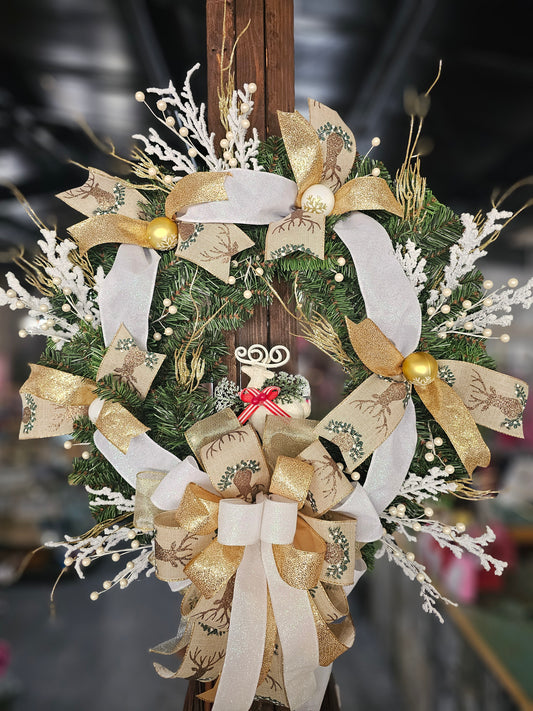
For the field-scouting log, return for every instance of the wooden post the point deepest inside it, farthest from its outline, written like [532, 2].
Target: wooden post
[264, 55]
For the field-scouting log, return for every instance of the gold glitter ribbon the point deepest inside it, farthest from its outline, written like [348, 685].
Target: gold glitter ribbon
[53, 399]
[299, 564]
[103, 229]
[186, 546]
[315, 163]
[457, 410]
[190, 190]
[193, 189]
[212, 250]
[66, 390]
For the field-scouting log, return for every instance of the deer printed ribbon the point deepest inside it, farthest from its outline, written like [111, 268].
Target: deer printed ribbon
[266, 557]
[458, 394]
[52, 399]
[210, 246]
[321, 153]
[260, 398]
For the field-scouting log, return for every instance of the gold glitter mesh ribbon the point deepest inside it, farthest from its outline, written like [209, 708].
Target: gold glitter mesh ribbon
[366, 193]
[53, 399]
[300, 563]
[303, 148]
[374, 349]
[213, 567]
[195, 188]
[452, 415]
[291, 478]
[454, 409]
[103, 229]
[198, 510]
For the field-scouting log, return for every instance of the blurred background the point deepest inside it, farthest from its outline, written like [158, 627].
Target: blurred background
[65, 65]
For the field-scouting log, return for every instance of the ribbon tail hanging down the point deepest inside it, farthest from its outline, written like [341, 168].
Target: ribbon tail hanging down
[126, 293]
[370, 246]
[455, 419]
[240, 524]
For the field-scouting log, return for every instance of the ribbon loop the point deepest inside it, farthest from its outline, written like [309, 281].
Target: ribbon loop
[279, 520]
[53, 399]
[239, 523]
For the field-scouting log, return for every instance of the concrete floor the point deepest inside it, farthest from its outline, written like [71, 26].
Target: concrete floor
[94, 655]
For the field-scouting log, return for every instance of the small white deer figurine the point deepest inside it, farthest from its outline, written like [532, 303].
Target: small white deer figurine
[257, 363]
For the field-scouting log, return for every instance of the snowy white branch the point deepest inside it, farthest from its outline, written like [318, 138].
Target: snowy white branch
[413, 266]
[430, 486]
[187, 123]
[67, 276]
[466, 252]
[107, 497]
[80, 552]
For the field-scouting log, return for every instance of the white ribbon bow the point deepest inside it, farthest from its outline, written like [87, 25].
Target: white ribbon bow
[271, 520]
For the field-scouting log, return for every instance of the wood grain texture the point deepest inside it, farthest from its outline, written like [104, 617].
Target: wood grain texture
[214, 39]
[264, 55]
[250, 55]
[279, 61]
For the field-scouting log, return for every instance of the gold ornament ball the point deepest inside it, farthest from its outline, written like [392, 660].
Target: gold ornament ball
[162, 233]
[420, 368]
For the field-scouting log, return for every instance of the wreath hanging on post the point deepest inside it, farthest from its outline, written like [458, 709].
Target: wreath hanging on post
[258, 515]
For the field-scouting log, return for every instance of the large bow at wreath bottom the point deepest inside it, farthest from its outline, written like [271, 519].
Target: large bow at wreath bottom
[458, 395]
[52, 399]
[267, 578]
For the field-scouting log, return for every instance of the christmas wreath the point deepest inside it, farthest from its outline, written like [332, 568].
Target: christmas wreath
[275, 517]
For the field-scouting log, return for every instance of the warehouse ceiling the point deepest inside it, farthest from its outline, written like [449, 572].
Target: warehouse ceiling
[65, 65]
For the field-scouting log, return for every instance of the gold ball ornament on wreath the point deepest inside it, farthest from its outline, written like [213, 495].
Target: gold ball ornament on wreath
[420, 368]
[162, 233]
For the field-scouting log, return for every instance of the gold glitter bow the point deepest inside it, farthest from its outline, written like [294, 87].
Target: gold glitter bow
[52, 399]
[458, 395]
[321, 557]
[321, 152]
[113, 211]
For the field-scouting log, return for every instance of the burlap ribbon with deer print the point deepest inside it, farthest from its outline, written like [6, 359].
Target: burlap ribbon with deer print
[114, 210]
[52, 399]
[461, 395]
[321, 153]
[251, 549]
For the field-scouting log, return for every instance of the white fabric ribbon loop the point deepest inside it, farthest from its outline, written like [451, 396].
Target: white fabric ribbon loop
[258, 526]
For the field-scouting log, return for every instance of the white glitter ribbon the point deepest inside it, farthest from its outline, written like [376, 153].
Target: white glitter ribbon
[126, 293]
[392, 303]
[258, 526]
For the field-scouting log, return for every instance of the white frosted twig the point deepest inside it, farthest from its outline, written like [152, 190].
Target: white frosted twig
[245, 150]
[430, 486]
[186, 121]
[80, 552]
[69, 277]
[452, 537]
[107, 497]
[413, 266]
[493, 309]
[466, 252]
[414, 571]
